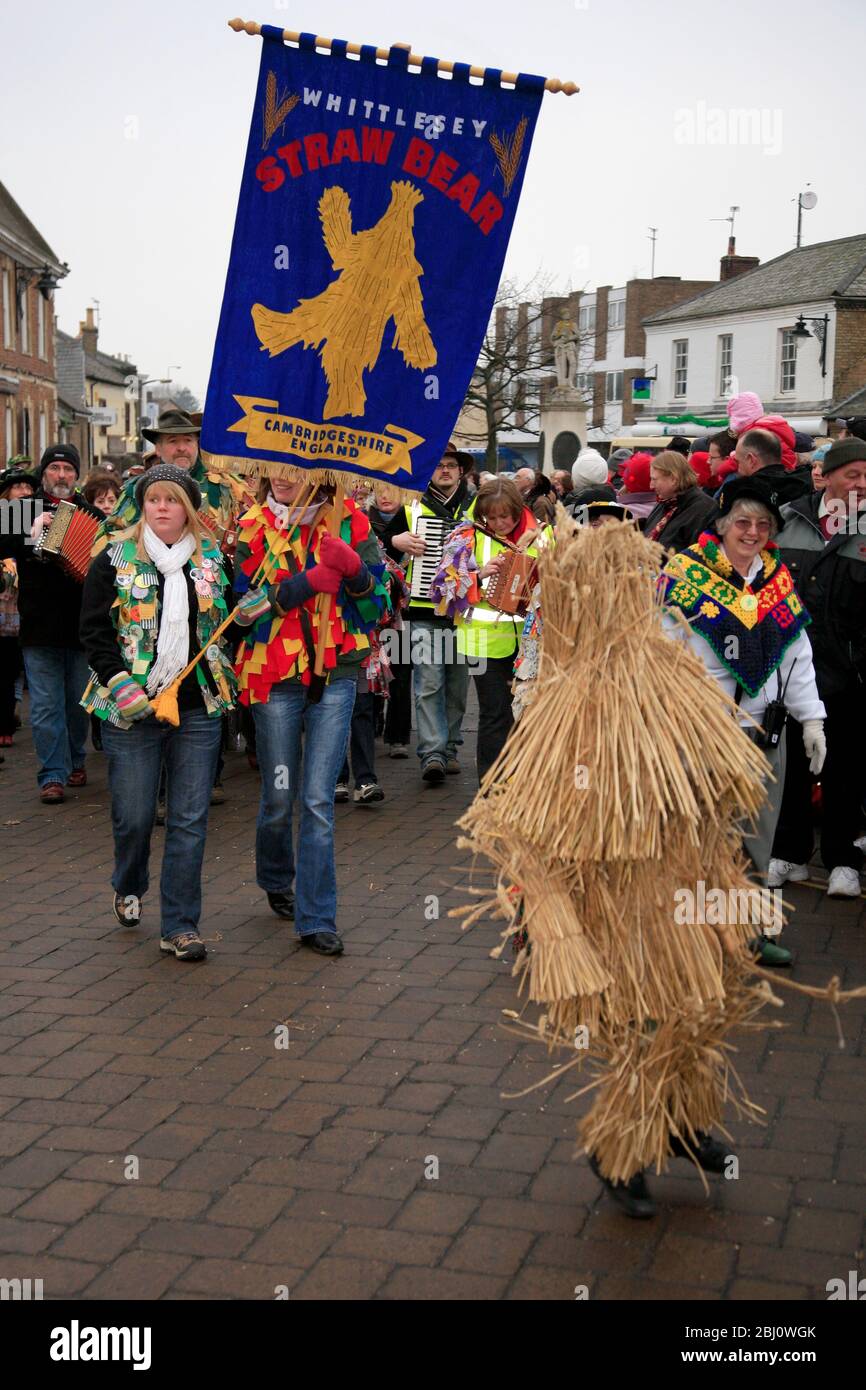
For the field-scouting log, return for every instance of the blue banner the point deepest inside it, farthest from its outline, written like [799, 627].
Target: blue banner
[373, 219]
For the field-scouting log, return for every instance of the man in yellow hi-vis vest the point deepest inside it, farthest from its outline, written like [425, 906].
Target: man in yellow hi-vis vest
[440, 675]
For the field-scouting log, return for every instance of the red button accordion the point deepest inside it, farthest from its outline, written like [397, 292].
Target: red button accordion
[68, 538]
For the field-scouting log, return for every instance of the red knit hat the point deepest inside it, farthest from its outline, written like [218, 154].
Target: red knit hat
[636, 473]
[779, 427]
[700, 462]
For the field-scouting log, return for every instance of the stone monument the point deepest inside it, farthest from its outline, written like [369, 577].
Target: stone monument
[563, 409]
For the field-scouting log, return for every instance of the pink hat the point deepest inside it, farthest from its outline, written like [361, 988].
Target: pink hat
[744, 410]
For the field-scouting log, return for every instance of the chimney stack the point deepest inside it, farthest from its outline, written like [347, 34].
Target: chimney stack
[88, 333]
[732, 264]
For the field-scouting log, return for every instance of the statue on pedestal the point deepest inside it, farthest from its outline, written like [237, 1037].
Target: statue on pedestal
[564, 339]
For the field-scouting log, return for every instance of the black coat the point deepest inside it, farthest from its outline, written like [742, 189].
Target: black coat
[830, 577]
[49, 601]
[694, 513]
[787, 484]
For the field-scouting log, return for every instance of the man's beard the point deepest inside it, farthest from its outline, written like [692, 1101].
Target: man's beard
[61, 490]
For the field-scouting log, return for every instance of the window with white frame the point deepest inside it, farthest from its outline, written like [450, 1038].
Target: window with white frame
[612, 387]
[43, 431]
[616, 313]
[41, 307]
[10, 431]
[583, 382]
[24, 321]
[6, 288]
[586, 318]
[726, 362]
[788, 361]
[681, 366]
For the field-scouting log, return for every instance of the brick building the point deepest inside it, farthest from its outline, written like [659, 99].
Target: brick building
[29, 274]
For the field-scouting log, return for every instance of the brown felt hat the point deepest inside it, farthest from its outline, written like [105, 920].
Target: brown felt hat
[172, 422]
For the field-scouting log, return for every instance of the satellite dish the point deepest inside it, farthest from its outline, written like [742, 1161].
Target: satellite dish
[808, 200]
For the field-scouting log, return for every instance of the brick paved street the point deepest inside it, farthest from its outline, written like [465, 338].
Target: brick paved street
[260, 1167]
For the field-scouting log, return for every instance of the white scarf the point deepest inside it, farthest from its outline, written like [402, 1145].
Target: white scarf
[172, 651]
[286, 515]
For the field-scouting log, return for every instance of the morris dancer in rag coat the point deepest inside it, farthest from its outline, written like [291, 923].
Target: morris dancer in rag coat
[152, 600]
[275, 674]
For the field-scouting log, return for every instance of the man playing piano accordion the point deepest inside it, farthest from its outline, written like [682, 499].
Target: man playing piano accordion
[440, 679]
[49, 605]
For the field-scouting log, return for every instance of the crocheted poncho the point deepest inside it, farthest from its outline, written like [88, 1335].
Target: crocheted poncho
[748, 626]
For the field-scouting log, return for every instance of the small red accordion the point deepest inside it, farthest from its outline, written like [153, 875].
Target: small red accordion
[68, 538]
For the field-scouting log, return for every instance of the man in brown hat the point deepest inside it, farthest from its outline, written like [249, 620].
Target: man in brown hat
[175, 440]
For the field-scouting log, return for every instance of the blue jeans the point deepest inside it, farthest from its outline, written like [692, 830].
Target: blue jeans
[135, 757]
[311, 776]
[56, 677]
[440, 688]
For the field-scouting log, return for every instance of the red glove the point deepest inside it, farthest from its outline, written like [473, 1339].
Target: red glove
[323, 579]
[339, 556]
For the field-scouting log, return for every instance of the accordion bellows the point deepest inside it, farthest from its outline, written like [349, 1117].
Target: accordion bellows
[69, 536]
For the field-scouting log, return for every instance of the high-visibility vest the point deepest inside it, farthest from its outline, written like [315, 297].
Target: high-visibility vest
[483, 631]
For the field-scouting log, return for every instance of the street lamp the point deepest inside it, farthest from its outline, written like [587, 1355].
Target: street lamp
[821, 327]
[142, 382]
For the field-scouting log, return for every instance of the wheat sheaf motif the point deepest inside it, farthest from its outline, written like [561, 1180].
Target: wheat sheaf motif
[378, 279]
[276, 111]
[509, 152]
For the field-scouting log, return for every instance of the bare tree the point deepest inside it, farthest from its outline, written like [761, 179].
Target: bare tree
[181, 395]
[515, 365]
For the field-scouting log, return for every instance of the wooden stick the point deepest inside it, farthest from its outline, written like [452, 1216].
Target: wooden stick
[552, 84]
[272, 562]
[326, 600]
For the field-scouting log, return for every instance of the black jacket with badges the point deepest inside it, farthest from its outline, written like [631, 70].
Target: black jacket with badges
[830, 577]
[99, 635]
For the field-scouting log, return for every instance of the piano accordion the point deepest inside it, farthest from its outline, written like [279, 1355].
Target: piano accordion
[68, 538]
[434, 532]
[510, 590]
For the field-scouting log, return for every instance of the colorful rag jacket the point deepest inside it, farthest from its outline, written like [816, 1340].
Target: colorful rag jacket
[222, 497]
[274, 649]
[748, 626]
[136, 619]
[10, 623]
[378, 668]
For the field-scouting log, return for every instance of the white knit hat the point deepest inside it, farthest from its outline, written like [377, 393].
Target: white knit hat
[589, 470]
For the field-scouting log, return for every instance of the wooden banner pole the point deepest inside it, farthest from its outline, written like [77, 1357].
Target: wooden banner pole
[552, 84]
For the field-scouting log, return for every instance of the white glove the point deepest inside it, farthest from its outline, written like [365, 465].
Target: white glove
[815, 744]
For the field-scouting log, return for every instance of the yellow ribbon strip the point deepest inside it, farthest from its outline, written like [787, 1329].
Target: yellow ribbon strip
[322, 445]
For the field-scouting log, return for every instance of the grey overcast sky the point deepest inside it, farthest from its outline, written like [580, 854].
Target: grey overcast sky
[124, 127]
